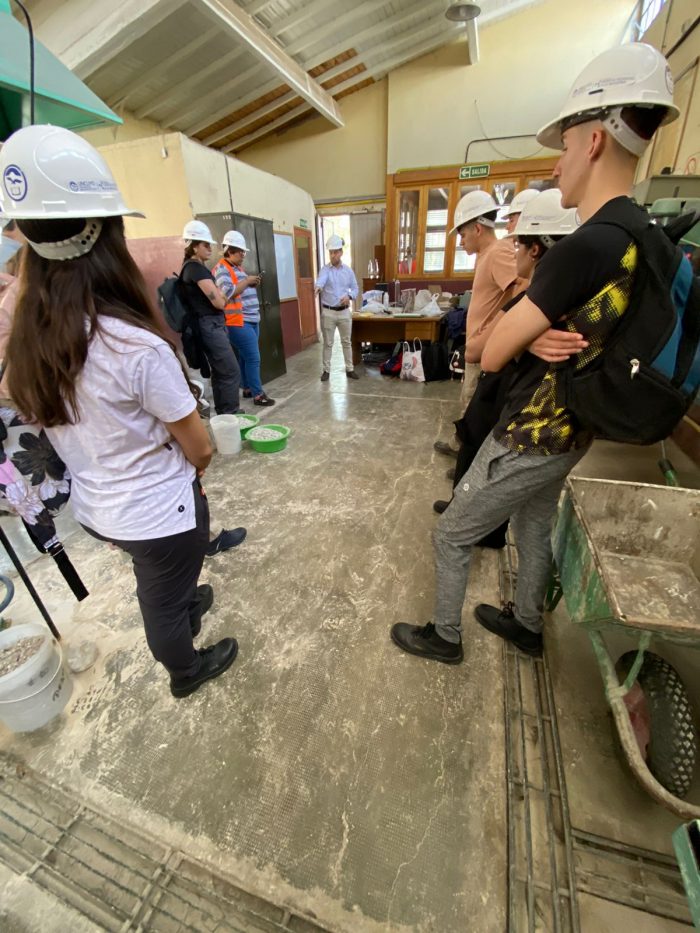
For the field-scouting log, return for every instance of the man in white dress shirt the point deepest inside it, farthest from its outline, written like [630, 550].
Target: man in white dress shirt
[338, 288]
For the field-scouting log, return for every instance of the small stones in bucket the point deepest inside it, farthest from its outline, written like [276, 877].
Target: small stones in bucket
[244, 420]
[264, 434]
[15, 655]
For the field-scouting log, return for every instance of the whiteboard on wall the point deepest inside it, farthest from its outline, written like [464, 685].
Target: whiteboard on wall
[286, 273]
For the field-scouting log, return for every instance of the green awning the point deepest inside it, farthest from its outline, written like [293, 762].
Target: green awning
[60, 98]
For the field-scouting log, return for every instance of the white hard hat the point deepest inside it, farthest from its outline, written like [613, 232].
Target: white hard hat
[544, 217]
[196, 231]
[473, 206]
[519, 201]
[235, 239]
[335, 242]
[49, 173]
[633, 75]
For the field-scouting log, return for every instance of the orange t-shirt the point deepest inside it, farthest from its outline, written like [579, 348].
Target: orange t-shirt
[495, 282]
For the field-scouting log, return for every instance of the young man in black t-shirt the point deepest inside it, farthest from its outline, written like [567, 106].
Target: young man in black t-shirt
[583, 285]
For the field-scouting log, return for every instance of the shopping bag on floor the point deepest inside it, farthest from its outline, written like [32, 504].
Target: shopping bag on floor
[412, 365]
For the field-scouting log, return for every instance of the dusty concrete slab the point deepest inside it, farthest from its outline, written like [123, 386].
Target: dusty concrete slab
[327, 767]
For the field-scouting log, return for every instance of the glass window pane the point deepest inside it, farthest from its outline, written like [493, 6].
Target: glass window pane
[465, 189]
[436, 230]
[464, 262]
[303, 256]
[408, 232]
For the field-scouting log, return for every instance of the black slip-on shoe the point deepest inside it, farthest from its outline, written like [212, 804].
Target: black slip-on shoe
[247, 393]
[325, 376]
[443, 448]
[502, 622]
[351, 374]
[215, 660]
[205, 600]
[424, 641]
[225, 540]
[440, 505]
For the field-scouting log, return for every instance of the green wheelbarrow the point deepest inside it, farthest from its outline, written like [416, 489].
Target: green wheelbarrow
[627, 557]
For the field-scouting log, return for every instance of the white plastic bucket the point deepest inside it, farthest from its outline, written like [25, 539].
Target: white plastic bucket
[227, 434]
[36, 691]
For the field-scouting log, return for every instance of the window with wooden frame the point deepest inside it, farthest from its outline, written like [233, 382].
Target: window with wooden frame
[421, 207]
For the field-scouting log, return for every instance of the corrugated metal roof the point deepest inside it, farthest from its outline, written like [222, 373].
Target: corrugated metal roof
[191, 73]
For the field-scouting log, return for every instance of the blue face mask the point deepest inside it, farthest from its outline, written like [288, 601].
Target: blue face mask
[8, 248]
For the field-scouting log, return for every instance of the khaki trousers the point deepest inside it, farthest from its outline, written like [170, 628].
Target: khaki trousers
[343, 321]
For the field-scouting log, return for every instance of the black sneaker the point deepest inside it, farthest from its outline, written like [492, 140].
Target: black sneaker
[502, 622]
[215, 660]
[450, 474]
[443, 448]
[325, 376]
[225, 540]
[263, 400]
[351, 374]
[440, 505]
[247, 393]
[424, 641]
[205, 600]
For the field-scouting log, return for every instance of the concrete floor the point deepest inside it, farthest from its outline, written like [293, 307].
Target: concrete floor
[328, 770]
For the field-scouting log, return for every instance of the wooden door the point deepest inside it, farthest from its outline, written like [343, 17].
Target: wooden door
[305, 286]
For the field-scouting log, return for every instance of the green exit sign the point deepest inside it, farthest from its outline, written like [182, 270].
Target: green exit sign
[474, 171]
[303, 224]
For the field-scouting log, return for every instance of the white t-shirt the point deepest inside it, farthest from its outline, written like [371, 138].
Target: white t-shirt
[131, 481]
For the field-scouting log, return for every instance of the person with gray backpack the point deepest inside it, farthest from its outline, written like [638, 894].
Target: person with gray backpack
[611, 281]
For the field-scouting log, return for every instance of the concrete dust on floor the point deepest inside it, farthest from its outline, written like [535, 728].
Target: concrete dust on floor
[329, 774]
[327, 771]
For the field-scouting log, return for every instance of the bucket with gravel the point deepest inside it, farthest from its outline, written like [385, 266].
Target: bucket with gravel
[268, 438]
[35, 684]
[246, 422]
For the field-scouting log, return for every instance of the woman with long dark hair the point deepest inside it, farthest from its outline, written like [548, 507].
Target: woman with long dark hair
[87, 359]
[204, 299]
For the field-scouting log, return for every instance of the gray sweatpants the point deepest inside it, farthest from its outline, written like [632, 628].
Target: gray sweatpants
[500, 484]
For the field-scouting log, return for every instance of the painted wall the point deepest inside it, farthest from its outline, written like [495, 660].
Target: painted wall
[151, 175]
[527, 64]
[169, 178]
[253, 191]
[670, 28]
[329, 162]
[128, 131]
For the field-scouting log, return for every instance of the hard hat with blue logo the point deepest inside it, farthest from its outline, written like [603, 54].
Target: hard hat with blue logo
[50, 173]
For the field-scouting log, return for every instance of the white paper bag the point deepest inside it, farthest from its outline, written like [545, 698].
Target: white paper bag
[412, 363]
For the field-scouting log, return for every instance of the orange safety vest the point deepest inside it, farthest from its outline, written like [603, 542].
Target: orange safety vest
[233, 311]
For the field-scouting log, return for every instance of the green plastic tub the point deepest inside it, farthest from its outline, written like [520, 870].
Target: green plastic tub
[271, 446]
[247, 422]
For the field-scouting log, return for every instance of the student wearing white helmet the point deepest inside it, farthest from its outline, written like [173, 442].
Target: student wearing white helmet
[87, 358]
[541, 223]
[495, 282]
[584, 284]
[337, 286]
[242, 313]
[513, 211]
[208, 304]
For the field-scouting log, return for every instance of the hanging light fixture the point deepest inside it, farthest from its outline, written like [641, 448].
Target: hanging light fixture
[462, 12]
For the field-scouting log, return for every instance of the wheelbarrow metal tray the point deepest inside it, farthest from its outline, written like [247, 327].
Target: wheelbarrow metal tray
[630, 553]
